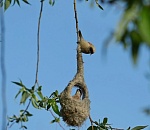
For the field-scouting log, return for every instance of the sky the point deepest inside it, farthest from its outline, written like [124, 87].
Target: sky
[118, 89]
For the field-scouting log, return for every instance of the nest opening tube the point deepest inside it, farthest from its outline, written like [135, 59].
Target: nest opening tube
[74, 111]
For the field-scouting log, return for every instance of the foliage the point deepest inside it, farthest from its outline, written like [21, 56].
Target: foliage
[43, 102]
[133, 30]
[100, 125]
[7, 3]
[104, 125]
[38, 101]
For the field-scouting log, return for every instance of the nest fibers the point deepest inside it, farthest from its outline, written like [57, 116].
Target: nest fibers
[74, 112]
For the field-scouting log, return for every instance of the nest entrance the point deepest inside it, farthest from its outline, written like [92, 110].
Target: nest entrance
[74, 111]
[77, 92]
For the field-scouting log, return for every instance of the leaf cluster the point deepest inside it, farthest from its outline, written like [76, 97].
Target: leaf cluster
[134, 27]
[100, 125]
[7, 3]
[104, 125]
[37, 100]
[23, 117]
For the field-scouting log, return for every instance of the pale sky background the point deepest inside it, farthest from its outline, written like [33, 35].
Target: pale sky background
[118, 89]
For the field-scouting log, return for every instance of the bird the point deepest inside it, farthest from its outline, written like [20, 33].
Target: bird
[86, 47]
[77, 95]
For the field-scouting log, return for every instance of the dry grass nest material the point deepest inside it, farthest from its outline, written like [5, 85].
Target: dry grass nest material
[74, 112]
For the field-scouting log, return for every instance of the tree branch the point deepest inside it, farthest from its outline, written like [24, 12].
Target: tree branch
[38, 44]
[57, 122]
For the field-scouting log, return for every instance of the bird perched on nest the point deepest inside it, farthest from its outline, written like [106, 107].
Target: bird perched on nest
[78, 94]
[86, 47]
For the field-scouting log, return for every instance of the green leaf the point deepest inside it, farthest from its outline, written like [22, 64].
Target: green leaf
[144, 24]
[35, 97]
[55, 120]
[21, 112]
[39, 88]
[40, 94]
[96, 122]
[56, 93]
[23, 127]
[55, 108]
[105, 121]
[128, 128]
[48, 106]
[24, 118]
[11, 119]
[34, 103]
[40, 103]
[18, 93]
[28, 114]
[18, 2]
[129, 15]
[25, 95]
[147, 110]
[136, 42]
[52, 2]
[51, 101]
[99, 5]
[19, 83]
[26, 2]
[15, 117]
[92, 128]
[139, 127]
[7, 4]
[18, 120]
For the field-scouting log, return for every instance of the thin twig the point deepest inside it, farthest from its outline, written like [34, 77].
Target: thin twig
[38, 44]
[12, 124]
[14, 121]
[76, 19]
[80, 68]
[57, 122]
[3, 71]
[26, 107]
[38, 54]
[91, 121]
[38, 58]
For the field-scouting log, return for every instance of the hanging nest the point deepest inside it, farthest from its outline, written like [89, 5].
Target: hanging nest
[74, 112]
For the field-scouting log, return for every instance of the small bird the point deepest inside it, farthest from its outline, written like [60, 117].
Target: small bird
[77, 95]
[86, 47]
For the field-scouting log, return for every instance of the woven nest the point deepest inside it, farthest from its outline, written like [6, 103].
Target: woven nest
[74, 112]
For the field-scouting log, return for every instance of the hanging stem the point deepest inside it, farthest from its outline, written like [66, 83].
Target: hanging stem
[38, 44]
[80, 68]
[76, 19]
